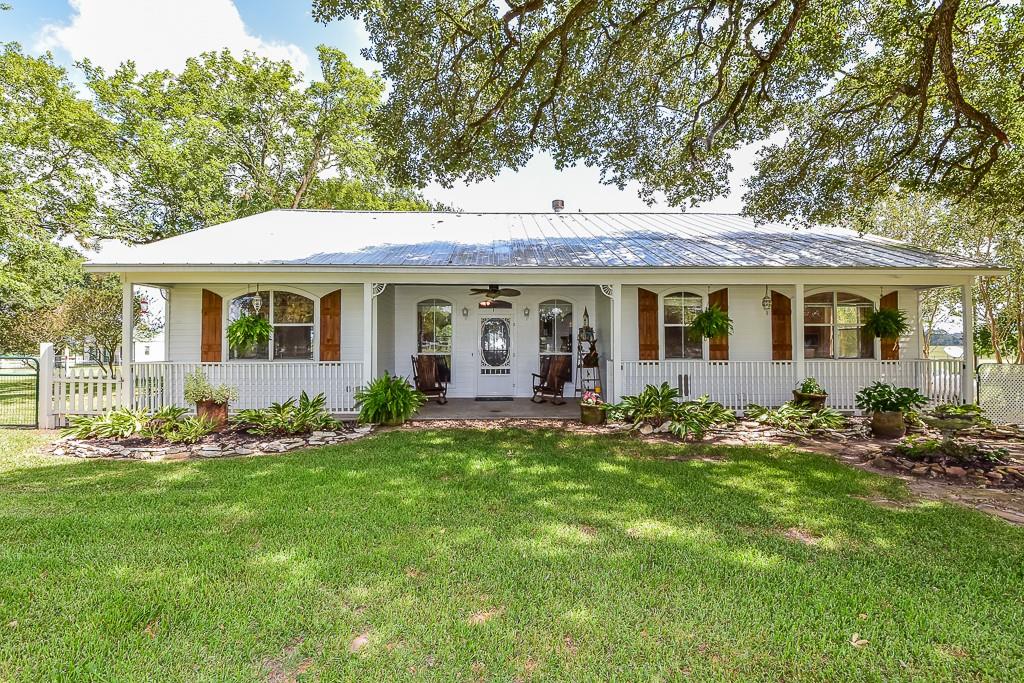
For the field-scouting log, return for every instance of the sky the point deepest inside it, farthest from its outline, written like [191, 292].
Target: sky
[161, 34]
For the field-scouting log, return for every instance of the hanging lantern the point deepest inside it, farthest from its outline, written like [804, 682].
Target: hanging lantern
[766, 302]
[257, 301]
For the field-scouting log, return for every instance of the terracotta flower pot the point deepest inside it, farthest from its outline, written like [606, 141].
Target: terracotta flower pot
[592, 415]
[888, 425]
[211, 410]
[815, 402]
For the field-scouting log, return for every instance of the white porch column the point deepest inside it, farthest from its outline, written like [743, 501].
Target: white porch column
[127, 343]
[799, 366]
[967, 301]
[369, 331]
[616, 346]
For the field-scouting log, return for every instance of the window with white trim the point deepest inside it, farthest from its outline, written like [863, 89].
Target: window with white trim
[434, 329]
[681, 340]
[834, 326]
[291, 318]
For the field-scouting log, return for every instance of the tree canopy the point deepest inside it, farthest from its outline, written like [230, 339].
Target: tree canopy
[142, 156]
[925, 94]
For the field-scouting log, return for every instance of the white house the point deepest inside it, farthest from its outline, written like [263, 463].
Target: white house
[351, 295]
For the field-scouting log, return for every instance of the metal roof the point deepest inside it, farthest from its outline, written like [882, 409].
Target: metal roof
[522, 240]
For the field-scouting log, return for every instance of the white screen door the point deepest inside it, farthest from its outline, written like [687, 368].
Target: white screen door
[494, 376]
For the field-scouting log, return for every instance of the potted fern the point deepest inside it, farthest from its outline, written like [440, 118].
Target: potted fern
[811, 394]
[388, 400]
[211, 401]
[887, 323]
[712, 322]
[248, 332]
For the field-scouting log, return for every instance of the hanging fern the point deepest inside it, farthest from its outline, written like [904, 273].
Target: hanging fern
[712, 322]
[887, 323]
[248, 332]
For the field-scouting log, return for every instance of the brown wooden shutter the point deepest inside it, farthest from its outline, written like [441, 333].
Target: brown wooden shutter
[210, 344]
[647, 319]
[330, 326]
[718, 347]
[782, 327]
[890, 345]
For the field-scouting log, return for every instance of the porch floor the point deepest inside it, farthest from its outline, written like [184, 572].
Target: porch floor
[471, 409]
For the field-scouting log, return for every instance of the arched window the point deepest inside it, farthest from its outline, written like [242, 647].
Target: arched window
[434, 329]
[834, 326]
[554, 318]
[290, 316]
[681, 340]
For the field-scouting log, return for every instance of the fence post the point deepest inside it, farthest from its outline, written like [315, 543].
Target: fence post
[45, 394]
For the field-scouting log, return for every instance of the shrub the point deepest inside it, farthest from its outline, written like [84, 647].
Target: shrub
[287, 417]
[657, 406]
[198, 389]
[888, 398]
[793, 417]
[949, 451]
[248, 332]
[809, 385]
[969, 411]
[388, 400]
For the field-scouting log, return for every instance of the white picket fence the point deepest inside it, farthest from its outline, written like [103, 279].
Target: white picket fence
[737, 384]
[88, 390]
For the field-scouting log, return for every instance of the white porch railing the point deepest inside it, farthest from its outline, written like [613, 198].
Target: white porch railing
[737, 384]
[258, 384]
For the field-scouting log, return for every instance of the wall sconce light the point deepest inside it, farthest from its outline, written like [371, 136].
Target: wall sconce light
[465, 312]
[766, 302]
[526, 312]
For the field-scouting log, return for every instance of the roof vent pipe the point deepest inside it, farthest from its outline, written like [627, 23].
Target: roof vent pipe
[557, 205]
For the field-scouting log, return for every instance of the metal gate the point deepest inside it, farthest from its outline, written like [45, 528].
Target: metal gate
[19, 391]
[1001, 391]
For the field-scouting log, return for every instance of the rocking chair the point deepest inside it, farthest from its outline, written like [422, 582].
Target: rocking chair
[551, 380]
[431, 376]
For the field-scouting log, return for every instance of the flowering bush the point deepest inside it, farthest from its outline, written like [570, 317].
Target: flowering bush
[591, 398]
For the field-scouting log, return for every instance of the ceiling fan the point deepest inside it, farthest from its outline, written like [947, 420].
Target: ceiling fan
[494, 291]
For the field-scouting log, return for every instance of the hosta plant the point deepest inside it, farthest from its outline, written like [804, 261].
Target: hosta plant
[115, 424]
[888, 398]
[657, 406]
[794, 417]
[190, 430]
[389, 399]
[288, 417]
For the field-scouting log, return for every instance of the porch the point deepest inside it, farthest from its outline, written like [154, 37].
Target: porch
[337, 336]
[517, 408]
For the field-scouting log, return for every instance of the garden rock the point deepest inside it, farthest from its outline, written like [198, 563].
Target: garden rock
[218, 445]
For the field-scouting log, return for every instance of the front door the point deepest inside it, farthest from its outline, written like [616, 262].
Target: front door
[494, 376]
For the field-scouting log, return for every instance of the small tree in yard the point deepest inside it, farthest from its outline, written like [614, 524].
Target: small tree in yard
[86, 315]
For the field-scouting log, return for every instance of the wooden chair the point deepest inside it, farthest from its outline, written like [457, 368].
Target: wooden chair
[430, 377]
[551, 380]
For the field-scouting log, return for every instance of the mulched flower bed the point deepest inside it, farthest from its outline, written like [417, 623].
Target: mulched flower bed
[222, 444]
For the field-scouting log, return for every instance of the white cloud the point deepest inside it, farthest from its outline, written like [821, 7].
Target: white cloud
[157, 34]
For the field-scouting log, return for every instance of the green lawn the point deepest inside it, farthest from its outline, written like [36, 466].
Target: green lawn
[505, 555]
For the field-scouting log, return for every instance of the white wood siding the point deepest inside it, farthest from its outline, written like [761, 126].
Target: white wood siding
[184, 323]
[526, 357]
